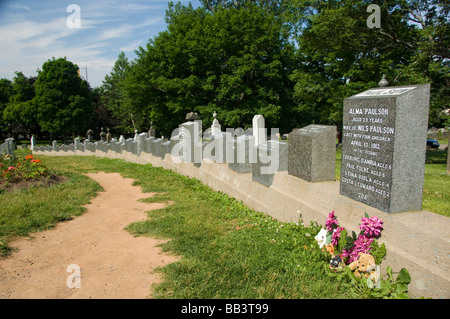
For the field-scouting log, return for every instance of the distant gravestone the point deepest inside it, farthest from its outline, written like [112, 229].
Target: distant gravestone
[33, 142]
[259, 129]
[108, 136]
[165, 148]
[272, 157]
[215, 127]
[384, 146]
[312, 153]
[156, 147]
[151, 131]
[102, 135]
[55, 145]
[148, 141]
[219, 148]
[141, 144]
[244, 154]
[90, 136]
[76, 143]
[189, 147]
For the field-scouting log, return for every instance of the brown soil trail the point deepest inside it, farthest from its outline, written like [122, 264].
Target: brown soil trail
[113, 263]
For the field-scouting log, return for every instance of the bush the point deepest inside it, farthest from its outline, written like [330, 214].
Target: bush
[20, 167]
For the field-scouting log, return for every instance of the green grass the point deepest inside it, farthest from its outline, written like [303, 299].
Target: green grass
[436, 193]
[40, 208]
[227, 250]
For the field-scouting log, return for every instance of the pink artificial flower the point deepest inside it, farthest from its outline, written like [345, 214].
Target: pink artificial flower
[361, 245]
[11, 168]
[371, 226]
[331, 220]
[336, 235]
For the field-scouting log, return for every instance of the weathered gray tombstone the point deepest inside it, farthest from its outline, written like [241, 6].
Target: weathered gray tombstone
[141, 144]
[156, 147]
[272, 156]
[102, 135]
[244, 154]
[90, 136]
[384, 147]
[11, 145]
[215, 127]
[165, 148]
[76, 144]
[148, 142]
[189, 147]
[151, 131]
[108, 136]
[128, 144]
[55, 145]
[312, 153]
[220, 148]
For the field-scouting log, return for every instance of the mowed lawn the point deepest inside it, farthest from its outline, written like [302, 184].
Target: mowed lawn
[227, 249]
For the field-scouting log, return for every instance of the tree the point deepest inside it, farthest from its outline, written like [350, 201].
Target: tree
[63, 99]
[19, 113]
[115, 100]
[340, 55]
[234, 61]
[6, 90]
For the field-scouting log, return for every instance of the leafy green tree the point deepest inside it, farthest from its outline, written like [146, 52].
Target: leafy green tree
[6, 90]
[340, 55]
[19, 113]
[63, 99]
[122, 112]
[235, 61]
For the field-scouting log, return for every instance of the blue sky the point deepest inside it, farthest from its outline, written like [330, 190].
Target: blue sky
[32, 32]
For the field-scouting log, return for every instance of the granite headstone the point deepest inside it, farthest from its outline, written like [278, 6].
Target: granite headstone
[384, 147]
[312, 153]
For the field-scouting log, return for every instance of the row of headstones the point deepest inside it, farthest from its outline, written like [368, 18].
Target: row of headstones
[310, 153]
[8, 147]
[383, 148]
[143, 143]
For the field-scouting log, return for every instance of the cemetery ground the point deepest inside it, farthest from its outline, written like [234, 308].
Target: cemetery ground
[225, 249]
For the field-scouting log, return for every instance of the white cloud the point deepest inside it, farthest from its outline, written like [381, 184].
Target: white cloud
[33, 32]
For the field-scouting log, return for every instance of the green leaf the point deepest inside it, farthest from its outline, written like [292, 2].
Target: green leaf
[389, 272]
[366, 215]
[403, 276]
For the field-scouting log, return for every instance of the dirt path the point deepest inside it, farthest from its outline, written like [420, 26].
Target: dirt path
[112, 263]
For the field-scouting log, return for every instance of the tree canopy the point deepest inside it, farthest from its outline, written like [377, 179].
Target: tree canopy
[293, 61]
[63, 98]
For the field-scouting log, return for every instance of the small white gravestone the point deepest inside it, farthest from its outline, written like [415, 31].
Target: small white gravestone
[259, 129]
[215, 127]
[33, 142]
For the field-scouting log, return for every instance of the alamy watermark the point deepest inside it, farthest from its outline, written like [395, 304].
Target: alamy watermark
[374, 20]
[74, 279]
[74, 20]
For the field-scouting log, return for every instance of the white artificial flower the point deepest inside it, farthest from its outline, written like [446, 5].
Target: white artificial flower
[321, 237]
